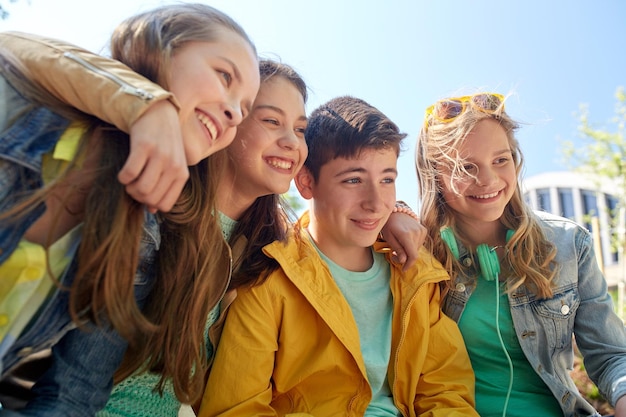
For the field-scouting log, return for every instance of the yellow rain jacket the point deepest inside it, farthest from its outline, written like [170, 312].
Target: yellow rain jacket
[290, 346]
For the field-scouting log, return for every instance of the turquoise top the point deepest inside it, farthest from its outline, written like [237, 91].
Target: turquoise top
[529, 395]
[370, 299]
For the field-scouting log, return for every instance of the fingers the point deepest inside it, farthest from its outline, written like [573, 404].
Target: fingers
[133, 167]
[408, 260]
[406, 250]
[418, 237]
[399, 255]
[398, 241]
[157, 185]
[401, 259]
[156, 169]
[405, 236]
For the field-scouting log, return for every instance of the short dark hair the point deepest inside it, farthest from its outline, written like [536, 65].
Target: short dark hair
[345, 126]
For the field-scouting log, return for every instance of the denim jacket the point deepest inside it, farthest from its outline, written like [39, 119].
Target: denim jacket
[84, 360]
[580, 305]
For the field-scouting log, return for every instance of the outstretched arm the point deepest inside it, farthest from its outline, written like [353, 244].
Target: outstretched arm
[156, 169]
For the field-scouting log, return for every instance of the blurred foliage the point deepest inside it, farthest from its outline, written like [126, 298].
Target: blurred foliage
[603, 150]
[4, 12]
[295, 203]
[601, 154]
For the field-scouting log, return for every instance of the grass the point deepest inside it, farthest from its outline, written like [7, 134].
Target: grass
[613, 293]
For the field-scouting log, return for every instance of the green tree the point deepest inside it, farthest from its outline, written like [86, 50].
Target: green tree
[4, 13]
[602, 155]
[294, 201]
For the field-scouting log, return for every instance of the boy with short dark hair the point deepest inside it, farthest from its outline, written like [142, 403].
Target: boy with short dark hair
[339, 329]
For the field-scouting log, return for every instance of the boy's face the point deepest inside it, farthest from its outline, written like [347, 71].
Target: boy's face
[351, 201]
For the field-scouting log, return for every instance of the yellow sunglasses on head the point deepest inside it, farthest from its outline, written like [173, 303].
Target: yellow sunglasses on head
[448, 109]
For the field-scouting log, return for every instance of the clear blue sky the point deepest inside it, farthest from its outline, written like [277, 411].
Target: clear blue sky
[401, 56]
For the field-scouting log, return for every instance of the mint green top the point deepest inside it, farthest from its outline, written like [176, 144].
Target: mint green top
[369, 296]
[135, 396]
[529, 394]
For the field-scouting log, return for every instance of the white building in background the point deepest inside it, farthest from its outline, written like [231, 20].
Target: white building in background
[578, 197]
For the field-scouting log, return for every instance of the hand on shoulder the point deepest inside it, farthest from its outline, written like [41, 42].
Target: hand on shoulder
[156, 170]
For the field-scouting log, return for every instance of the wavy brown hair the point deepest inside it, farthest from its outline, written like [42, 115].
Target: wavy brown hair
[168, 337]
[193, 250]
[529, 255]
[268, 218]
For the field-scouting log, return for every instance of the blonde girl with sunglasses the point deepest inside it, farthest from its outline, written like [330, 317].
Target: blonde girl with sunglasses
[523, 283]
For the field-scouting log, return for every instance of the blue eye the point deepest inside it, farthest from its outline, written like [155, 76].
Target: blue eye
[226, 75]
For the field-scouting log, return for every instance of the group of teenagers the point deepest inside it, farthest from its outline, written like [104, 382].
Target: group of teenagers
[141, 223]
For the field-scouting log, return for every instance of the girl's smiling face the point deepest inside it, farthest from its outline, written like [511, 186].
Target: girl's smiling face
[215, 84]
[269, 148]
[480, 197]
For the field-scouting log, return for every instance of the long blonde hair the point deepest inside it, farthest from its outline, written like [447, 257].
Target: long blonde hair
[529, 255]
[168, 337]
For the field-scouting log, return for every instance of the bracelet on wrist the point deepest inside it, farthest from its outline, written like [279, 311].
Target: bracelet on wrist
[402, 207]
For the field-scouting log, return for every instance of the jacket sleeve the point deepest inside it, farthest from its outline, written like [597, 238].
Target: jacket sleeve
[81, 376]
[446, 385]
[239, 383]
[95, 85]
[600, 333]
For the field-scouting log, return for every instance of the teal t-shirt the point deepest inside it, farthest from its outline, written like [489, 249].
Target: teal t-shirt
[529, 395]
[369, 295]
